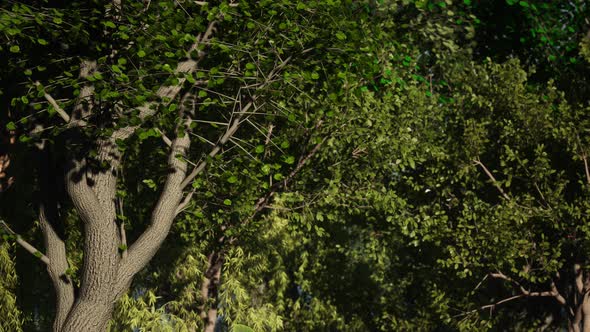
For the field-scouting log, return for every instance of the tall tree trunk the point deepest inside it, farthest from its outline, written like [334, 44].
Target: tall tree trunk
[89, 316]
[586, 312]
[210, 289]
[92, 193]
[54, 237]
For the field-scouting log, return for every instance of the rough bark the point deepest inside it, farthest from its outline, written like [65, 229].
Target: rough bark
[53, 236]
[585, 306]
[56, 252]
[145, 247]
[101, 257]
[210, 289]
[55, 247]
[89, 316]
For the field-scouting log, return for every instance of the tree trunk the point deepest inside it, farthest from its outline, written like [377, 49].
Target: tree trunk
[209, 290]
[586, 312]
[54, 237]
[89, 316]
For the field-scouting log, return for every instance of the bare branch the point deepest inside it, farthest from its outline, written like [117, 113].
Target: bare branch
[26, 245]
[53, 103]
[169, 93]
[165, 138]
[587, 171]
[553, 292]
[492, 305]
[492, 178]
[263, 202]
[185, 202]
[231, 129]
[226, 136]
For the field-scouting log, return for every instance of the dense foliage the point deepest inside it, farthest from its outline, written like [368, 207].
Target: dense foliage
[325, 165]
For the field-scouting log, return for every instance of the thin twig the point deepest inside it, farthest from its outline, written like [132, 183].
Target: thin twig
[585, 158]
[26, 245]
[492, 178]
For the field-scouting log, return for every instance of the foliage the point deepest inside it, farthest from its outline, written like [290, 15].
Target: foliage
[403, 165]
[12, 317]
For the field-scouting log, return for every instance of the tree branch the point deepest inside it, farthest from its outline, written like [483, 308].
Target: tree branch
[168, 93]
[263, 202]
[56, 251]
[230, 131]
[53, 103]
[26, 245]
[553, 292]
[492, 178]
[145, 247]
[587, 171]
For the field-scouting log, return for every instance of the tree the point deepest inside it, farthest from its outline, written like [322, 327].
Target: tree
[132, 80]
[89, 126]
[318, 165]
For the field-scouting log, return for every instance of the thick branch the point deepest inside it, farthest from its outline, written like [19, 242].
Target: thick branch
[84, 103]
[100, 239]
[56, 251]
[145, 247]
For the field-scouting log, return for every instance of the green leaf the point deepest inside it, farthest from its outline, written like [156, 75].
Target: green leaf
[265, 169]
[227, 202]
[14, 49]
[341, 35]
[190, 78]
[109, 24]
[259, 149]
[141, 53]
[57, 20]
[150, 183]
[250, 66]
[241, 328]
[232, 179]
[42, 41]
[10, 126]
[289, 160]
